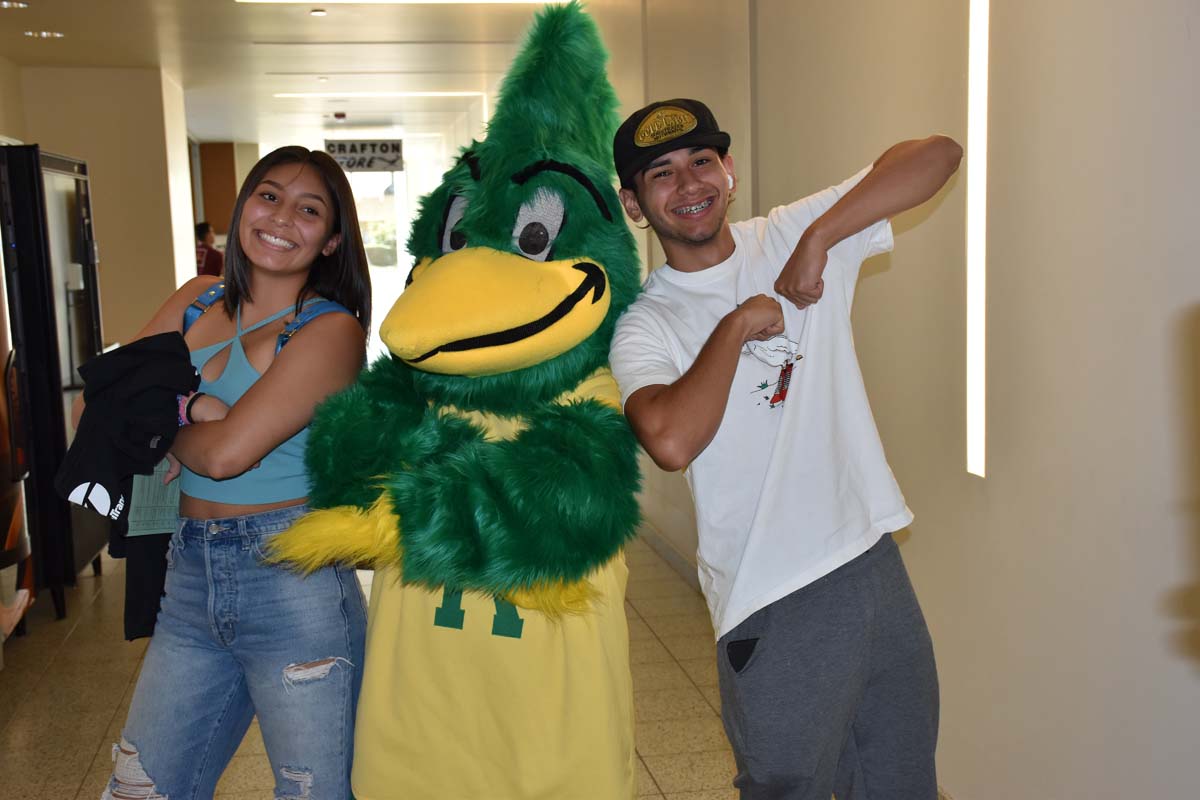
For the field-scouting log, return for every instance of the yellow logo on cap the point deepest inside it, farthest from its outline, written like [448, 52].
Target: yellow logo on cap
[664, 124]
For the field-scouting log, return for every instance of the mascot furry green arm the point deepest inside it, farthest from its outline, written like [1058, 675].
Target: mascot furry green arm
[484, 467]
[524, 263]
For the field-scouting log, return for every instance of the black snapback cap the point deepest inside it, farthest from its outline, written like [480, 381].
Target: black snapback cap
[660, 128]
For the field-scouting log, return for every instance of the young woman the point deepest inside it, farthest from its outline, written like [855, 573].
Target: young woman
[237, 637]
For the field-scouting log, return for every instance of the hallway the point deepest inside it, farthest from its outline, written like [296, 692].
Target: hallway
[67, 687]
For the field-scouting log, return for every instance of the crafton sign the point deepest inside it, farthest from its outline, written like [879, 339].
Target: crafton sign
[366, 155]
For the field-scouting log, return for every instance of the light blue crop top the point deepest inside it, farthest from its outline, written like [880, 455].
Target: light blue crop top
[281, 476]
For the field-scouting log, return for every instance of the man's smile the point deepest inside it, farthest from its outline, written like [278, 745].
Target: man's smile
[685, 211]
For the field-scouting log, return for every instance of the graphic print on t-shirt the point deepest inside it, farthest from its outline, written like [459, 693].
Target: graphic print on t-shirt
[778, 351]
[95, 497]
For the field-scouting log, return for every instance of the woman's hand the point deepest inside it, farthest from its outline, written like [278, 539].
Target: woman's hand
[173, 469]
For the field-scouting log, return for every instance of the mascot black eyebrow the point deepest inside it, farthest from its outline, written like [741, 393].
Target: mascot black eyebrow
[484, 467]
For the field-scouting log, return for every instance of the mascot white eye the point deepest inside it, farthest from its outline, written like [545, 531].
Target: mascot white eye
[451, 239]
[538, 224]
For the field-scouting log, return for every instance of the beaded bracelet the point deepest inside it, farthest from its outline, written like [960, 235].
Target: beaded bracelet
[184, 400]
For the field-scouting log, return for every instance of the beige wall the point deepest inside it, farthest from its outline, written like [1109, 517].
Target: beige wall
[245, 156]
[620, 23]
[179, 180]
[701, 49]
[71, 111]
[12, 111]
[1093, 420]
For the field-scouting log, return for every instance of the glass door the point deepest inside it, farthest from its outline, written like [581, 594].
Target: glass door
[387, 203]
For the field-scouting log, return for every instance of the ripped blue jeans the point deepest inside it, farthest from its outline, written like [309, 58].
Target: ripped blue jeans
[237, 638]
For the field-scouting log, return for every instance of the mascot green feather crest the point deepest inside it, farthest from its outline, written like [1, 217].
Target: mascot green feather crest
[557, 93]
[487, 452]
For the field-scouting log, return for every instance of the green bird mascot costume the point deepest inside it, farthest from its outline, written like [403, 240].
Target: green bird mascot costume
[484, 469]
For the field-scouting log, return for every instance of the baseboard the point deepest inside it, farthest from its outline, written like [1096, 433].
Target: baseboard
[677, 561]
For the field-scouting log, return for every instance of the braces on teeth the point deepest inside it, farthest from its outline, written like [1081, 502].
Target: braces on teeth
[695, 208]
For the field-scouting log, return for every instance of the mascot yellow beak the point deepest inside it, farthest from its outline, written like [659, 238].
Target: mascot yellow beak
[479, 311]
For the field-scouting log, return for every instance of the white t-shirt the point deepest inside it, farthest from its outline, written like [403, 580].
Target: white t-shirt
[787, 491]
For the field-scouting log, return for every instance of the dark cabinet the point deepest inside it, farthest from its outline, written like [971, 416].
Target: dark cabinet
[53, 301]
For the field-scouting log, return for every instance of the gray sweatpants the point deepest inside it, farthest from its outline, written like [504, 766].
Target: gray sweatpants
[833, 689]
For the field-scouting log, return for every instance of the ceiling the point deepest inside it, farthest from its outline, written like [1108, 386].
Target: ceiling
[233, 58]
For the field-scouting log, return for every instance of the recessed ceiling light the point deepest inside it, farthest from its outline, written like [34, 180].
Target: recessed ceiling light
[323, 79]
[318, 12]
[44, 34]
[13, 4]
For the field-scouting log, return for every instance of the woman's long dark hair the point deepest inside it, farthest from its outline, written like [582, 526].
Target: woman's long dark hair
[341, 276]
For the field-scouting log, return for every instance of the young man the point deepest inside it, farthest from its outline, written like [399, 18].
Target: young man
[209, 260]
[826, 668]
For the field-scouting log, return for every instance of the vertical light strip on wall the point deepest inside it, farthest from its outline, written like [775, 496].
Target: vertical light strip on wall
[977, 130]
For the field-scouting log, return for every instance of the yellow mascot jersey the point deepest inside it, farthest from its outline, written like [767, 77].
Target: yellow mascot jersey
[467, 698]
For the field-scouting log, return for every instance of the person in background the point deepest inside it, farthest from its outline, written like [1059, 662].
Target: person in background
[209, 260]
[236, 637]
[737, 363]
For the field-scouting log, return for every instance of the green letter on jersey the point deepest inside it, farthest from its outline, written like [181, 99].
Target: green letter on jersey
[450, 614]
[507, 621]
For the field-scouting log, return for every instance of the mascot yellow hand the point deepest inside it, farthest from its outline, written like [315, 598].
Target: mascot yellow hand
[341, 535]
[370, 540]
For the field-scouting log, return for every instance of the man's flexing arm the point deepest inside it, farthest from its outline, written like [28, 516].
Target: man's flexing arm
[906, 175]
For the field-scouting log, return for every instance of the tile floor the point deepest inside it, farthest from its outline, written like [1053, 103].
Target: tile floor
[66, 686]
